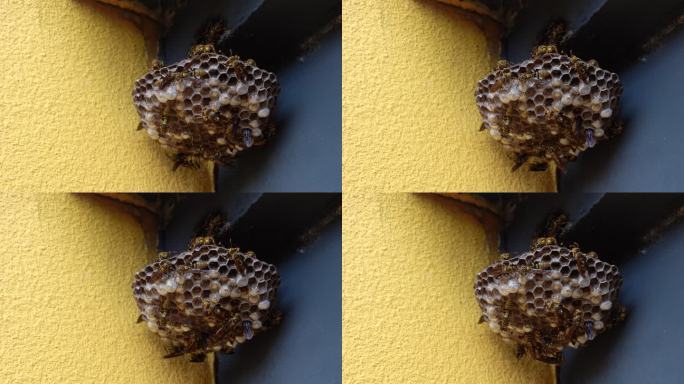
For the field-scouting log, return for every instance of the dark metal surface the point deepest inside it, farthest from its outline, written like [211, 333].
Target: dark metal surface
[305, 155]
[533, 20]
[274, 33]
[616, 33]
[646, 348]
[615, 226]
[647, 155]
[191, 19]
[307, 346]
[531, 213]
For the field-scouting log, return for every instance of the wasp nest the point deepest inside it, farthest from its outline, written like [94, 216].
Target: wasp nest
[549, 298]
[207, 299]
[208, 106]
[549, 108]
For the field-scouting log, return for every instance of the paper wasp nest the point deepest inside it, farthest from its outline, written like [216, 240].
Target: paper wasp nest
[549, 298]
[208, 106]
[549, 108]
[207, 299]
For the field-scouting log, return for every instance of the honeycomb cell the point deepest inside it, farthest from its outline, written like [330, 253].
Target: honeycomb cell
[192, 107]
[543, 306]
[194, 303]
[550, 108]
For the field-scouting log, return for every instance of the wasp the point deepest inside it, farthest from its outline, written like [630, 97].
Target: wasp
[202, 48]
[163, 121]
[157, 64]
[505, 318]
[543, 241]
[186, 160]
[541, 50]
[172, 77]
[519, 161]
[239, 70]
[528, 75]
[580, 259]
[554, 226]
[497, 85]
[182, 269]
[165, 266]
[580, 67]
[539, 167]
[501, 64]
[201, 240]
[238, 259]
[211, 115]
[175, 352]
[524, 269]
[556, 31]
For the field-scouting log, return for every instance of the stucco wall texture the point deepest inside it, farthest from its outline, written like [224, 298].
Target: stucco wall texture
[410, 123]
[68, 314]
[409, 313]
[67, 119]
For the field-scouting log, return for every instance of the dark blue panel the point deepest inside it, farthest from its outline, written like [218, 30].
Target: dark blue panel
[305, 153]
[533, 20]
[647, 156]
[647, 347]
[307, 346]
[616, 34]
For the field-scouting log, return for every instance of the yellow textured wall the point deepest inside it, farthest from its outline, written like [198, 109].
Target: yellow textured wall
[409, 120]
[68, 314]
[68, 122]
[409, 312]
